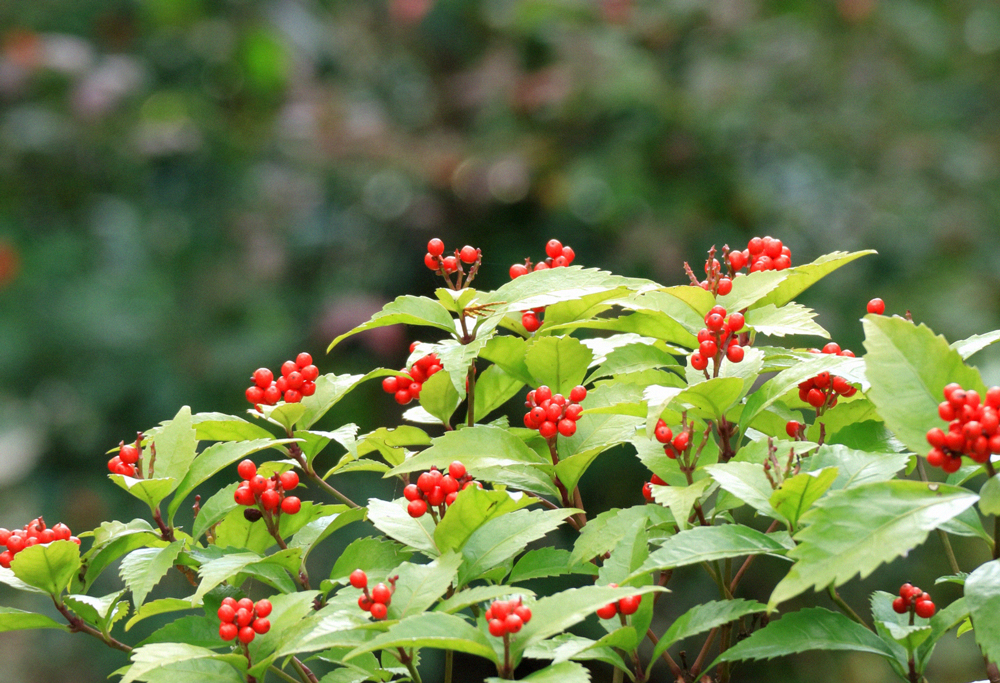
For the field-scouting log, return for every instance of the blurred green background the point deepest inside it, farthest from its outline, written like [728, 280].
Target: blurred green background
[190, 189]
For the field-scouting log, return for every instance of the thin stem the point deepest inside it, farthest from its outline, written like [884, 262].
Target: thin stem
[471, 391]
[77, 624]
[992, 672]
[304, 671]
[407, 661]
[696, 667]
[272, 528]
[674, 667]
[746, 563]
[914, 676]
[282, 675]
[449, 664]
[166, 532]
[508, 670]
[844, 607]
[952, 560]
[296, 452]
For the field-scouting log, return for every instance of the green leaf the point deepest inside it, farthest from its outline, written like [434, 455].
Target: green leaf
[161, 606]
[102, 612]
[975, 343]
[439, 397]
[213, 459]
[420, 585]
[8, 579]
[545, 562]
[853, 531]
[603, 532]
[989, 496]
[215, 510]
[627, 556]
[908, 367]
[813, 628]
[563, 672]
[434, 630]
[548, 287]
[49, 567]
[288, 611]
[285, 415]
[558, 362]
[789, 319]
[634, 358]
[18, 620]
[646, 323]
[595, 434]
[214, 572]
[800, 278]
[477, 448]
[175, 447]
[374, 555]
[942, 622]
[565, 647]
[747, 482]
[194, 671]
[390, 442]
[472, 508]
[753, 289]
[708, 543]
[508, 354]
[325, 630]
[149, 658]
[455, 358]
[392, 520]
[238, 532]
[797, 494]
[681, 499]
[142, 569]
[701, 618]
[149, 491]
[494, 387]
[982, 595]
[193, 629]
[709, 399]
[222, 427]
[503, 537]
[856, 468]
[313, 533]
[967, 523]
[330, 388]
[408, 310]
[476, 595]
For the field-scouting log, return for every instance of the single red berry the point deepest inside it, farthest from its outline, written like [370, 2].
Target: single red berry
[498, 628]
[294, 380]
[358, 578]
[541, 265]
[548, 429]
[554, 248]
[530, 321]
[517, 270]
[573, 411]
[247, 635]
[566, 427]
[608, 611]
[261, 626]
[228, 631]
[412, 492]
[629, 604]
[435, 247]
[876, 306]
[899, 606]
[698, 361]
[226, 614]
[523, 611]
[379, 611]
[416, 508]
[271, 395]
[553, 412]
[246, 469]
[925, 609]
[714, 322]
[289, 480]
[513, 623]
[15, 544]
[663, 433]
[293, 396]
[365, 603]
[243, 496]
[436, 496]
[431, 261]
[569, 255]
[831, 347]
[815, 398]
[258, 484]
[735, 322]
[456, 470]
[262, 377]
[647, 491]
[113, 464]
[468, 254]
[243, 617]
[708, 349]
[128, 454]
[792, 428]
[263, 607]
[559, 262]
[381, 593]
[303, 359]
[577, 394]
[403, 397]
[255, 395]
[270, 500]
[681, 442]
[450, 264]
[542, 393]
[735, 353]
[737, 260]
[60, 530]
[291, 505]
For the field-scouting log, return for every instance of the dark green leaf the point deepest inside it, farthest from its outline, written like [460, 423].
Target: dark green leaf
[439, 397]
[545, 562]
[494, 387]
[433, 630]
[420, 585]
[503, 537]
[215, 509]
[472, 508]
[701, 618]
[508, 354]
[708, 543]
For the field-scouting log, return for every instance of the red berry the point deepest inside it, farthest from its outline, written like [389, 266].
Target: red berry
[290, 505]
[450, 264]
[270, 500]
[436, 496]
[831, 347]
[365, 603]
[513, 623]
[498, 628]
[553, 412]
[792, 428]
[663, 433]
[951, 465]
[381, 593]
[226, 614]
[247, 634]
[554, 248]
[255, 395]
[708, 348]
[412, 492]
[431, 261]
[735, 353]
[573, 411]
[258, 484]
[271, 395]
[289, 480]
[735, 322]
[228, 631]
[113, 464]
[815, 398]
[456, 470]
[517, 270]
[61, 531]
[261, 626]
[698, 361]
[630, 604]
[416, 508]
[246, 469]
[725, 286]
[608, 611]
[577, 394]
[737, 260]
[379, 611]
[566, 427]
[681, 441]
[876, 306]
[714, 322]
[530, 321]
[542, 393]
[263, 607]
[521, 610]
[569, 255]
[647, 491]
[128, 454]
[358, 578]
[243, 617]
[403, 397]
[925, 609]
[468, 254]
[435, 247]
[548, 429]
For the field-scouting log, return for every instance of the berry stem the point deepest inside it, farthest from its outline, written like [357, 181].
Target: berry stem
[296, 452]
[449, 664]
[282, 675]
[166, 532]
[407, 661]
[78, 625]
[696, 667]
[952, 560]
[563, 492]
[844, 607]
[674, 667]
[305, 673]
[471, 391]
[640, 674]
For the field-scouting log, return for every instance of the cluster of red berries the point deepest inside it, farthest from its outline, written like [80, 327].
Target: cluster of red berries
[647, 488]
[718, 338]
[377, 602]
[974, 428]
[33, 533]
[672, 445]
[434, 489]
[558, 256]
[762, 253]
[550, 413]
[715, 281]
[912, 599]
[627, 605]
[876, 306]
[298, 379]
[406, 387]
[268, 494]
[243, 619]
[506, 616]
[124, 462]
[821, 391]
[436, 261]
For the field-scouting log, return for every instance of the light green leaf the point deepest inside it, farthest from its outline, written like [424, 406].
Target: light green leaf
[287, 612]
[564, 672]
[324, 630]
[148, 658]
[433, 630]
[18, 620]
[548, 287]
[975, 343]
[194, 671]
[175, 446]
[161, 606]
[408, 310]
[472, 508]
[102, 612]
[796, 494]
[149, 491]
[508, 354]
[791, 318]
[494, 387]
[647, 323]
[392, 520]
[982, 595]
[503, 537]
[215, 509]
[701, 618]
[313, 533]
[942, 622]
[908, 367]
[967, 523]
[855, 468]
[374, 555]
[747, 482]
[681, 499]
[634, 358]
[439, 397]
[330, 388]
[708, 543]
[49, 567]
[222, 427]
[853, 531]
[8, 579]
[477, 448]
[142, 569]
[420, 585]
[989, 496]
[627, 556]
[603, 532]
[455, 358]
[545, 562]
[800, 278]
[813, 628]
[558, 362]
[753, 289]
[709, 399]
[390, 442]
[216, 571]
[476, 595]
[238, 532]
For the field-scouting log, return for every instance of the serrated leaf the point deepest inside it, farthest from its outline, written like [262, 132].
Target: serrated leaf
[175, 446]
[975, 343]
[142, 569]
[8, 579]
[433, 630]
[288, 611]
[564, 672]
[545, 562]
[238, 532]
[49, 567]
[908, 367]
[753, 289]
[374, 555]
[800, 278]
[967, 523]
[853, 531]
[558, 362]
[709, 399]
[18, 620]
[633, 358]
[472, 508]
[982, 596]
[565, 647]
[856, 468]
[149, 491]
[791, 318]
[222, 427]
[193, 629]
[324, 630]
[501, 538]
[313, 533]
[392, 520]
[194, 671]
[603, 532]
[547, 287]
[439, 397]
[701, 618]
[330, 388]
[149, 658]
[408, 310]
[796, 494]
[508, 354]
[747, 482]
[681, 499]
[646, 323]
[477, 448]
[989, 496]
[215, 509]
[494, 387]
[627, 556]
[813, 628]
[420, 585]
[708, 543]
[162, 606]
[942, 622]
[216, 571]
[476, 595]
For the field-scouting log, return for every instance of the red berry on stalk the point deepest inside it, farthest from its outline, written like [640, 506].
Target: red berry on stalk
[226, 613]
[899, 606]
[416, 508]
[542, 394]
[128, 454]
[450, 264]
[735, 322]
[247, 634]
[530, 321]
[737, 260]
[608, 611]
[708, 348]
[831, 347]
[925, 609]
[714, 322]
[263, 607]
[379, 611]
[735, 353]
[381, 593]
[521, 610]
[456, 470]
[513, 623]
[548, 429]
[517, 270]
[359, 579]
[255, 395]
[258, 484]
[243, 496]
[681, 441]
[261, 626]
[792, 428]
[554, 248]
[262, 377]
[270, 500]
[293, 396]
[630, 604]
[228, 631]
[365, 603]
[468, 254]
[577, 394]
[876, 306]
[291, 505]
[725, 286]
[566, 427]
[243, 617]
[431, 261]
[498, 628]
[435, 247]
[698, 361]
[573, 411]
[663, 433]
[403, 397]
[289, 480]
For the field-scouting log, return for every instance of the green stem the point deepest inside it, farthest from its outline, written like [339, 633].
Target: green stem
[296, 452]
[282, 675]
[304, 671]
[407, 661]
[449, 664]
[844, 607]
[471, 391]
[949, 553]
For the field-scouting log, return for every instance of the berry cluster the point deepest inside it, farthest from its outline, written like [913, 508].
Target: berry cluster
[558, 256]
[821, 391]
[267, 494]
[762, 253]
[912, 599]
[715, 281]
[298, 379]
[33, 533]
[124, 462]
[718, 338]
[550, 413]
[243, 619]
[506, 616]
[434, 489]
[627, 605]
[974, 428]
[438, 262]
[647, 488]
[672, 445]
[406, 387]
[377, 602]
